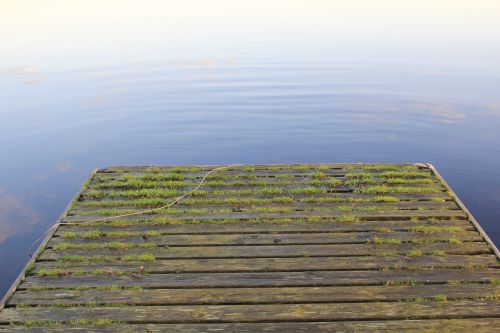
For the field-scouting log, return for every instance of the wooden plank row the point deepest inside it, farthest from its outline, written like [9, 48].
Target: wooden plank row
[294, 187]
[265, 170]
[272, 239]
[266, 251]
[261, 313]
[272, 167]
[270, 264]
[337, 208]
[332, 183]
[266, 279]
[238, 176]
[380, 207]
[290, 186]
[263, 228]
[481, 325]
[241, 171]
[74, 216]
[270, 295]
[298, 196]
[318, 177]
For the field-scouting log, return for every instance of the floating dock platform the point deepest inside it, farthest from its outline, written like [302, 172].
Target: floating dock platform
[261, 248]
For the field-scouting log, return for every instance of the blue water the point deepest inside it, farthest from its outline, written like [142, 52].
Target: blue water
[317, 97]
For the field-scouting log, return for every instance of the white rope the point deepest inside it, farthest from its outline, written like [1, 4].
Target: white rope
[147, 211]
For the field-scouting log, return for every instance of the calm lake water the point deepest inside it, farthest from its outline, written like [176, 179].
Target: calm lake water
[86, 85]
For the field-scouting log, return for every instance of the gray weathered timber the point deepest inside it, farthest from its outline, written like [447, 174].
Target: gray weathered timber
[482, 325]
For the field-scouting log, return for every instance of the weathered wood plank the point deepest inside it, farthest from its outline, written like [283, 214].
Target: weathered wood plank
[412, 326]
[437, 191]
[260, 313]
[271, 170]
[296, 189]
[287, 211]
[243, 193]
[273, 239]
[481, 325]
[376, 216]
[272, 264]
[293, 206]
[272, 167]
[266, 279]
[262, 227]
[278, 174]
[254, 295]
[263, 251]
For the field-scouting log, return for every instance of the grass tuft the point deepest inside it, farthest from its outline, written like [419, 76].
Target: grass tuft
[139, 257]
[347, 218]
[453, 240]
[427, 229]
[440, 298]
[454, 282]
[438, 253]
[379, 241]
[106, 245]
[76, 322]
[414, 253]
[495, 280]
[383, 189]
[333, 182]
[384, 198]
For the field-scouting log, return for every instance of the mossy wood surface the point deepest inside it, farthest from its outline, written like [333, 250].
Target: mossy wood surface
[262, 248]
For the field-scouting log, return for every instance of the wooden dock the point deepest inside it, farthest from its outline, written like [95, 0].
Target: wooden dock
[261, 248]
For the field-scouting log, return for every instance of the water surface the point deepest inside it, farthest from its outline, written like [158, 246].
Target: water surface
[87, 84]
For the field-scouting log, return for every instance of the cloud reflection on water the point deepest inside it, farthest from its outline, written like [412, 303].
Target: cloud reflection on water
[443, 113]
[15, 216]
[25, 74]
